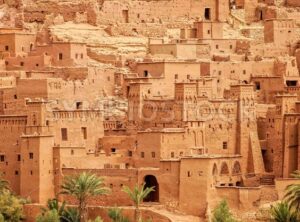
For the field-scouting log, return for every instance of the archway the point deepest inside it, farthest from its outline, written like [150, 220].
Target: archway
[224, 169]
[236, 168]
[151, 181]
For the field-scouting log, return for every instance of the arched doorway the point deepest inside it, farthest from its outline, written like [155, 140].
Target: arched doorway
[151, 181]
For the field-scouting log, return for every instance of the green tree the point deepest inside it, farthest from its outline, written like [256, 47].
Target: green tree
[11, 207]
[49, 216]
[82, 187]
[116, 215]
[292, 195]
[282, 213]
[137, 195]
[222, 213]
[3, 185]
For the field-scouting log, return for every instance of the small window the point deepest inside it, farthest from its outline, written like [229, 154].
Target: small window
[143, 154]
[15, 96]
[230, 47]
[207, 13]
[72, 152]
[64, 134]
[244, 72]
[37, 65]
[21, 63]
[60, 56]
[208, 32]
[189, 174]
[176, 76]
[108, 78]
[145, 73]
[81, 55]
[16, 172]
[30, 155]
[130, 153]
[6, 48]
[217, 46]
[84, 132]
[19, 157]
[113, 150]
[225, 145]
[188, 76]
[172, 155]
[257, 85]
[78, 105]
[153, 154]
[2, 158]
[31, 173]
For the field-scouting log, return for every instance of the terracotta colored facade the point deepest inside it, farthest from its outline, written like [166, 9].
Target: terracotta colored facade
[197, 98]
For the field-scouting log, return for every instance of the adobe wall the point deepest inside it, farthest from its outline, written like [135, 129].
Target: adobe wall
[293, 3]
[11, 128]
[281, 185]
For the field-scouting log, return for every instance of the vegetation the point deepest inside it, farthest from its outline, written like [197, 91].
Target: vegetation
[4, 186]
[49, 216]
[222, 213]
[292, 196]
[82, 187]
[137, 195]
[116, 215]
[282, 213]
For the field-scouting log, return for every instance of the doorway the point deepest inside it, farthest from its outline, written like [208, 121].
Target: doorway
[151, 181]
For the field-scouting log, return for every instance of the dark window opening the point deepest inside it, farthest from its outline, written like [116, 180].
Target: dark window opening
[16, 172]
[257, 85]
[207, 14]
[2, 158]
[84, 132]
[30, 155]
[129, 153]
[189, 174]
[19, 157]
[113, 150]
[60, 56]
[291, 82]
[6, 48]
[78, 105]
[142, 154]
[21, 63]
[146, 73]
[224, 145]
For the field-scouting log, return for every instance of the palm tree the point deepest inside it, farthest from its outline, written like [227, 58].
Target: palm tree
[82, 187]
[137, 195]
[282, 213]
[292, 195]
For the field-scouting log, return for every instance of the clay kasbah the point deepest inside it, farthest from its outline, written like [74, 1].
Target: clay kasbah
[197, 98]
